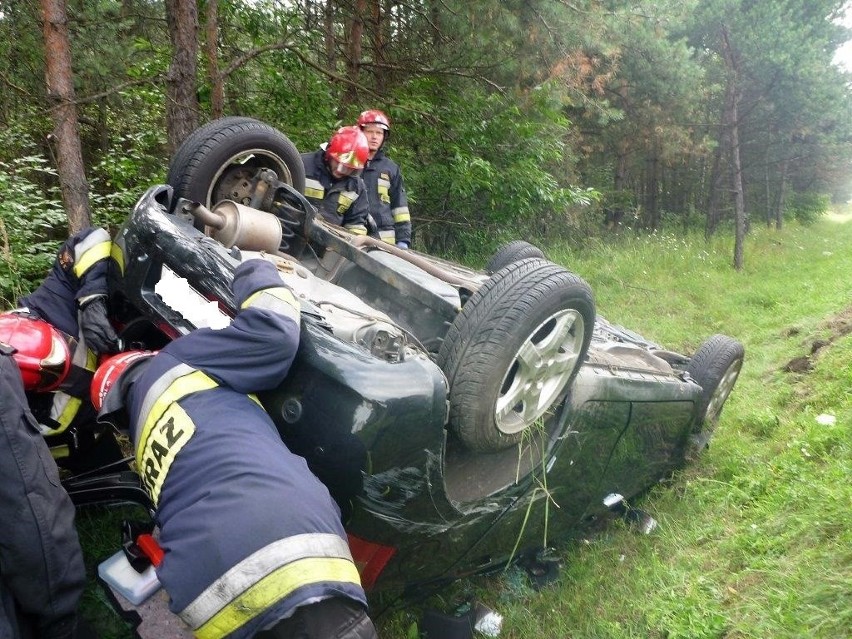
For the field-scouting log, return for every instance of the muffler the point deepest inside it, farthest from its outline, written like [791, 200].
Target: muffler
[233, 224]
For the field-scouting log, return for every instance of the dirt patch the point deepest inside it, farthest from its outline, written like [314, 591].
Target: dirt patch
[836, 327]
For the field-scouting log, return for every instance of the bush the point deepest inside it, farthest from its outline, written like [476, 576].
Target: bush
[32, 220]
[807, 207]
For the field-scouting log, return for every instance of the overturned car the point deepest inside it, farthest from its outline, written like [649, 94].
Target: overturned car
[447, 410]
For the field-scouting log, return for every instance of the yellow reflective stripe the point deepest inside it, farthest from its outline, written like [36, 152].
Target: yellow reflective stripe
[168, 437]
[314, 189]
[95, 247]
[59, 452]
[72, 406]
[91, 361]
[90, 257]
[262, 563]
[388, 236]
[64, 407]
[356, 229]
[62, 411]
[279, 299]
[181, 387]
[345, 200]
[401, 214]
[118, 255]
[275, 587]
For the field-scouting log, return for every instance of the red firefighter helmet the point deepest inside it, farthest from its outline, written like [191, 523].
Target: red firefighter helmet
[347, 151]
[42, 352]
[374, 116]
[107, 376]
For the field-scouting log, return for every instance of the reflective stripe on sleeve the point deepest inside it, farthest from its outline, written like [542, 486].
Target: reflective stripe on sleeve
[63, 410]
[356, 229]
[64, 407]
[387, 235]
[94, 248]
[278, 299]
[401, 214]
[266, 576]
[314, 189]
[345, 201]
[118, 255]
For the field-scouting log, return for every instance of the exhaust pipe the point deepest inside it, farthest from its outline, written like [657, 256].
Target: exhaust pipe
[232, 224]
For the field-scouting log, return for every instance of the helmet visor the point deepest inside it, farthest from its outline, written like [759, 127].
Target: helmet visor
[339, 169]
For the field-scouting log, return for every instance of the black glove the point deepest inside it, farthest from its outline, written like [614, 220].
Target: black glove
[97, 331]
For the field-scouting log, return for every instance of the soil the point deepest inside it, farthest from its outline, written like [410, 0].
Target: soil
[835, 327]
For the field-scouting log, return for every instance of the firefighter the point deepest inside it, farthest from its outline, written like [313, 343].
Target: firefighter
[333, 183]
[41, 563]
[72, 298]
[385, 186]
[252, 540]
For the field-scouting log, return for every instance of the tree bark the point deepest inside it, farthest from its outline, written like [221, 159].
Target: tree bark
[328, 35]
[732, 126]
[211, 50]
[60, 92]
[715, 190]
[653, 188]
[182, 109]
[353, 55]
[615, 216]
[782, 195]
[378, 21]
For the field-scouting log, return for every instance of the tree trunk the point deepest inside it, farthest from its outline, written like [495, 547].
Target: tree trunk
[782, 195]
[211, 50]
[377, 26]
[715, 193]
[732, 125]
[615, 216]
[60, 92]
[182, 110]
[653, 190]
[353, 55]
[328, 35]
[767, 194]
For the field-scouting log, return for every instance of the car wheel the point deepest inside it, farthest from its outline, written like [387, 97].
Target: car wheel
[512, 252]
[715, 367]
[513, 350]
[217, 161]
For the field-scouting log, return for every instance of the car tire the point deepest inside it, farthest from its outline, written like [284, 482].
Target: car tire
[715, 367]
[512, 252]
[210, 164]
[513, 350]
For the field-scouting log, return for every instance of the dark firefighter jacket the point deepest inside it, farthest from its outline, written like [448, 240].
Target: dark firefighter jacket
[342, 202]
[388, 201]
[79, 274]
[41, 564]
[248, 531]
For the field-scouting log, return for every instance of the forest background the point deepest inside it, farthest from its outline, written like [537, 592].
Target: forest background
[511, 119]
[668, 131]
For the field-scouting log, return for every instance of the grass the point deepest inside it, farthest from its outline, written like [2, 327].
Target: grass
[755, 538]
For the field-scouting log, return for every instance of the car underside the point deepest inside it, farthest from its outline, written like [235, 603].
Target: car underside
[455, 415]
